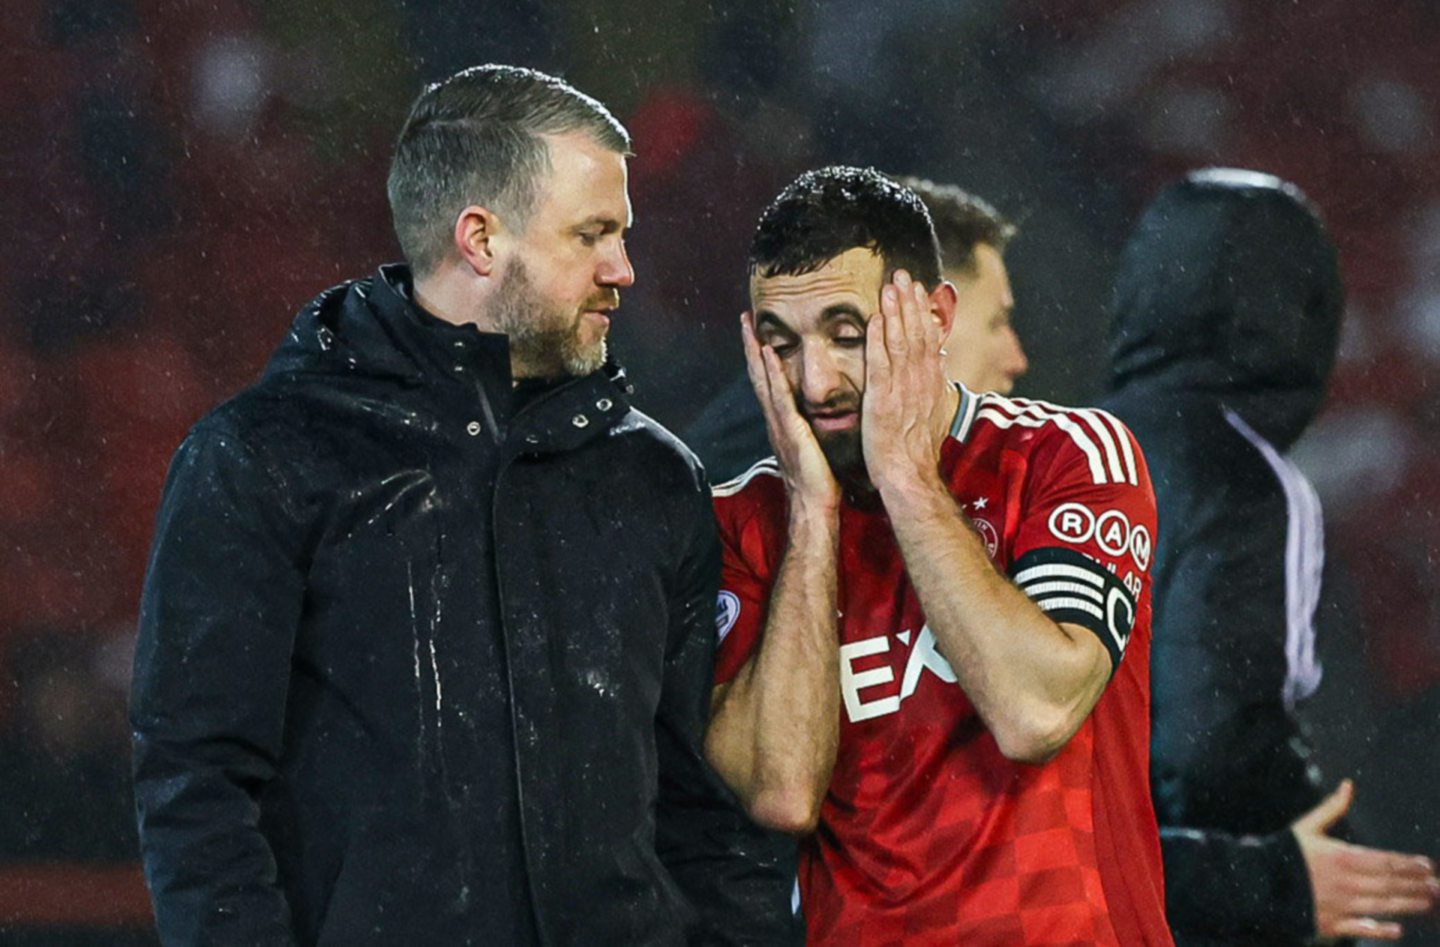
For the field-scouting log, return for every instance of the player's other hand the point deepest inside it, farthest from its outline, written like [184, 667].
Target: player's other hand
[905, 387]
[808, 476]
[1357, 889]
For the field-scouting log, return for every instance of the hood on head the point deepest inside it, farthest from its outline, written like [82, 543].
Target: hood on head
[1230, 286]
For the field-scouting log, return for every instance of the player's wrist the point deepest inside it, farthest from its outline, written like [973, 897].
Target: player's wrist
[908, 485]
[810, 512]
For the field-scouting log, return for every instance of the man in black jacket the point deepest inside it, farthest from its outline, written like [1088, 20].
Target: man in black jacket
[1227, 315]
[427, 635]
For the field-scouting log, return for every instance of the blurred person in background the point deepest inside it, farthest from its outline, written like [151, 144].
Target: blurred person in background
[67, 823]
[427, 634]
[1227, 310]
[982, 351]
[66, 785]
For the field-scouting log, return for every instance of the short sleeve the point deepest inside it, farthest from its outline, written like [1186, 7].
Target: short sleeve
[744, 600]
[1083, 547]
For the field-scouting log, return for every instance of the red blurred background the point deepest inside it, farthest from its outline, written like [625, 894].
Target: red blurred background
[179, 177]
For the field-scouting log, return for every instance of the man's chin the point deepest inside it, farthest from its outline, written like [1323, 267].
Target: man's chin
[556, 356]
[586, 359]
[846, 453]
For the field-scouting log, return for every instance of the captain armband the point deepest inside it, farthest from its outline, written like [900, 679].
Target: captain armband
[1071, 587]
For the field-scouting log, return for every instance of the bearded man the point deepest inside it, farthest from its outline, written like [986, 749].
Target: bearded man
[933, 665]
[427, 635]
[983, 351]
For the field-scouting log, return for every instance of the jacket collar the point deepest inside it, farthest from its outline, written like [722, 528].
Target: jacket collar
[373, 327]
[570, 415]
[432, 345]
[563, 418]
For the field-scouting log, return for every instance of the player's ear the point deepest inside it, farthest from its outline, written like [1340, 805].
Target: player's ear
[475, 231]
[942, 307]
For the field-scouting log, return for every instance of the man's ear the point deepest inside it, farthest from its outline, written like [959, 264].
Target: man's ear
[475, 231]
[942, 307]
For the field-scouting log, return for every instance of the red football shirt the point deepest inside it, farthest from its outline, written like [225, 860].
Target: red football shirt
[929, 835]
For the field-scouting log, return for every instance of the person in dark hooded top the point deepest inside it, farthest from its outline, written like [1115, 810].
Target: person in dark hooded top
[1227, 313]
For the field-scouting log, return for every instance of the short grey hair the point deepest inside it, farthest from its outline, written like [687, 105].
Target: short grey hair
[476, 138]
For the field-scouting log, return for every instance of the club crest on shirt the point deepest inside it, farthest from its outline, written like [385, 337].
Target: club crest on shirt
[986, 529]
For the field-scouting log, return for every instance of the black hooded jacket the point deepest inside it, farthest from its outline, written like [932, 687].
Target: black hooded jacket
[1226, 318]
[425, 660]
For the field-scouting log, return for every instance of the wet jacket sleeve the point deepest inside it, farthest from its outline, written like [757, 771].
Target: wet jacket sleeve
[735, 874]
[1224, 886]
[218, 619]
[1225, 753]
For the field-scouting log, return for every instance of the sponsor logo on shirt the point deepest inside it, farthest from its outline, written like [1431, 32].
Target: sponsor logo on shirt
[875, 702]
[1072, 522]
[1077, 524]
[1140, 546]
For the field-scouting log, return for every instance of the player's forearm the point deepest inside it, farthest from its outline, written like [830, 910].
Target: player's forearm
[774, 731]
[1031, 680]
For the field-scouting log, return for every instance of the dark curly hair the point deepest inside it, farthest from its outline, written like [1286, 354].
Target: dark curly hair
[825, 212]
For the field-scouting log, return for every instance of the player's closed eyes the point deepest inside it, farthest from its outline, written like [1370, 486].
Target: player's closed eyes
[783, 345]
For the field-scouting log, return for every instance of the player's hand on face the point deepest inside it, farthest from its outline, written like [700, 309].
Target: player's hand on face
[1357, 889]
[904, 386]
[808, 476]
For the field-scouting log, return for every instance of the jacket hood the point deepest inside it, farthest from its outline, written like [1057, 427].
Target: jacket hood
[1230, 287]
[367, 327]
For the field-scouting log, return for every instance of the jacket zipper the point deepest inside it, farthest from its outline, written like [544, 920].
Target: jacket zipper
[530, 873]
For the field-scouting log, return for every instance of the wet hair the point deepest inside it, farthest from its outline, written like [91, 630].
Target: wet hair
[962, 222]
[825, 212]
[476, 138]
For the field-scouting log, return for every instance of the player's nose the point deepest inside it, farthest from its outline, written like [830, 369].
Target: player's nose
[1016, 362]
[820, 376]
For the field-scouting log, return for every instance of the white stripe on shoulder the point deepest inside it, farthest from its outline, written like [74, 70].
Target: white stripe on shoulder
[1107, 440]
[768, 467]
[1009, 412]
[1106, 435]
[1122, 434]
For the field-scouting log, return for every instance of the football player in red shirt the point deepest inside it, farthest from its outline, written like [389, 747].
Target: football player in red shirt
[935, 618]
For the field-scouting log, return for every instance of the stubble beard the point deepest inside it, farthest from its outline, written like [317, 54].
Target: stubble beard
[845, 451]
[544, 341]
